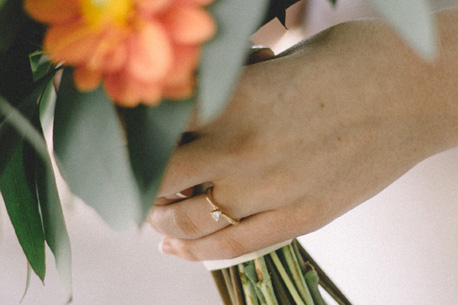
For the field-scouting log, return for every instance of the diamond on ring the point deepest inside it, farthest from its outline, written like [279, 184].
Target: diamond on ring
[216, 213]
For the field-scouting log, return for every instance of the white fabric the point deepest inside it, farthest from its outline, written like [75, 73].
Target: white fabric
[225, 263]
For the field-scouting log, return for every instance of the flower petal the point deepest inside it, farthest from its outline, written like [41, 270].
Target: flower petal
[71, 43]
[186, 61]
[86, 79]
[189, 25]
[150, 53]
[129, 92]
[110, 53]
[53, 11]
[150, 7]
[193, 2]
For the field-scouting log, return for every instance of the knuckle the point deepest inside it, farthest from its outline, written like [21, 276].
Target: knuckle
[184, 226]
[185, 251]
[153, 220]
[230, 247]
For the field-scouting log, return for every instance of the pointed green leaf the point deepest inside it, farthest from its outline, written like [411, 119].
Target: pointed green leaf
[56, 234]
[40, 171]
[224, 56]
[22, 206]
[92, 153]
[27, 282]
[39, 64]
[413, 20]
[152, 134]
[14, 123]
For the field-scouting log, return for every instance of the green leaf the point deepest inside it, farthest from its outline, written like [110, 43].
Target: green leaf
[14, 123]
[39, 64]
[11, 21]
[92, 153]
[152, 134]
[224, 56]
[413, 20]
[56, 234]
[22, 206]
[39, 170]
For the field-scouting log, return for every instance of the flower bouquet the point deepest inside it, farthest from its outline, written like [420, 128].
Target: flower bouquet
[116, 81]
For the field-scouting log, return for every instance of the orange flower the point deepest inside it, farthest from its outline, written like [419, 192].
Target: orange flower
[142, 50]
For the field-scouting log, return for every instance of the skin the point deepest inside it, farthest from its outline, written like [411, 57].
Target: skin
[308, 136]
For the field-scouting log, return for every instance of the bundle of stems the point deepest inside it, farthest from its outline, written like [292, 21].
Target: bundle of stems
[287, 276]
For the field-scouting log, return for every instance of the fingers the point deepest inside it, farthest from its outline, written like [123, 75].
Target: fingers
[192, 218]
[191, 164]
[232, 241]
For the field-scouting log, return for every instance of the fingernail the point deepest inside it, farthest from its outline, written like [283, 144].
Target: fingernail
[166, 247]
[181, 195]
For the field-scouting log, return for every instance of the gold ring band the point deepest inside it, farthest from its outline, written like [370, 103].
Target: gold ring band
[216, 213]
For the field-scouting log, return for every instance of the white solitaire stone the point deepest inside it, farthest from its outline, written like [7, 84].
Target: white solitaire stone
[216, 215]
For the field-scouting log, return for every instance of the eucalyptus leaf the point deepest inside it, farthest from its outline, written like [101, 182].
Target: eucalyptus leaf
[56, 234]
[414, 21]
[224, 56]
[27, 281]
[14, 123]
[152, 134]
[39, 170]
[22, 207]
[92, 154]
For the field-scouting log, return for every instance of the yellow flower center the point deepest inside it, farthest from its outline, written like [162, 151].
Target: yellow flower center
[99, 12]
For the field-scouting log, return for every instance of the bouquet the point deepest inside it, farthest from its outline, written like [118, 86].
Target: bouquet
[117, 81]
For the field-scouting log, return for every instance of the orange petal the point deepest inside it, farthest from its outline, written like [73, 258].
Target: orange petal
[110, 53]
[53, 11]
[129, 92]
[189, 25]
[150, 7]
[181, 88]
[72, 43]
[193, 2]
[150, 54]
[86, 79]
[185, 63]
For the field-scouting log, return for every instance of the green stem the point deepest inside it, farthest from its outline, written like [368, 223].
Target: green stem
[297, 275]
[264, 281]
[237, 285]
[289, 284]
[248, 288]
[230, 288]
[325, 281]
[311, 277]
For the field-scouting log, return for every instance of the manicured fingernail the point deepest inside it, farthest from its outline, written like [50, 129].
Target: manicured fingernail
[166, 247]
[181, 195]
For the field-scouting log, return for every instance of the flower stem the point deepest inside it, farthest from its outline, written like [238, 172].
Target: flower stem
[297, 275]
[284, 275]
[222, 286]
[229, 285]
[324, 280]
[264, 281]
[311, 277]
[237, 285]
[248, 288]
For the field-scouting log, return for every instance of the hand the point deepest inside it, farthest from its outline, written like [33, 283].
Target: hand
[306, 137]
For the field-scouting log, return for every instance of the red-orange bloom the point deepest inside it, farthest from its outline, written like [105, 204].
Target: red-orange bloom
[142, 50]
